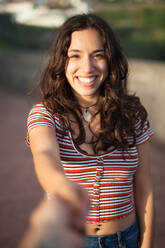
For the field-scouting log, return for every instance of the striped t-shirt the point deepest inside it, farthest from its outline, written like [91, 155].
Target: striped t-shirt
[108, 177]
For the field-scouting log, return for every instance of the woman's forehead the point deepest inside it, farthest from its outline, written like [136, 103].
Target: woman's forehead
[86, 39]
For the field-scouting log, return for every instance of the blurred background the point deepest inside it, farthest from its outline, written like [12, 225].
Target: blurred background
[27, 29]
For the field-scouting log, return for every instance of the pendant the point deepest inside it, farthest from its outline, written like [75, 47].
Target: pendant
[87, 115]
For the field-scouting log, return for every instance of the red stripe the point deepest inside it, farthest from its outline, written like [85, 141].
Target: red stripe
[73, 158]
[38, 120]
[119, 168]
[102, 219]
[66, 146]
[109, 195]
[110, 206]
[60, 131]
[79, 170]
[119, 157]
[114, 184]
[39, 113]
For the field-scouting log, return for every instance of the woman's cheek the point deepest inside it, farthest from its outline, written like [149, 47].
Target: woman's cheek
[71, 68]
[104, 68]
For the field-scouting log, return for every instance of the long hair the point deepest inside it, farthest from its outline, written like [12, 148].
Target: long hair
[118, 109]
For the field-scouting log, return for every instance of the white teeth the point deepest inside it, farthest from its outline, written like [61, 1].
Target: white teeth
[86, 80]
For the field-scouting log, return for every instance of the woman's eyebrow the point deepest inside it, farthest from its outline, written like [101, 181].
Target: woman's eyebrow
[76, 50]
[99, 50]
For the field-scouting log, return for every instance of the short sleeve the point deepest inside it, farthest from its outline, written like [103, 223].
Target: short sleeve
[143, 135]
[39, 116]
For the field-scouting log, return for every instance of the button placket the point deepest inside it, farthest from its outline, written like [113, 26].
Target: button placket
[96, 184]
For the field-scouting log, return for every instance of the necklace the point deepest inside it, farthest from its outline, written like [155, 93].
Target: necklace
[86, 114]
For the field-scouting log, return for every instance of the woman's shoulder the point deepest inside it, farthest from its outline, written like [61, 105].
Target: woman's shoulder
[143, 130]
[39, 115]
[42, 108]
[39, 107]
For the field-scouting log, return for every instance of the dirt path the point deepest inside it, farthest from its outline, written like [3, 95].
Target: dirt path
[20, 190]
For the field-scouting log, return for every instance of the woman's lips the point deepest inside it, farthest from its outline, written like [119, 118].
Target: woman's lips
[87, 81]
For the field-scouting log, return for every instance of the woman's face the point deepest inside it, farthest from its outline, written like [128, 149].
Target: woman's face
[86, 66]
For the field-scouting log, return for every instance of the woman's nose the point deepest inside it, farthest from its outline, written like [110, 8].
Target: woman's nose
[88, 65]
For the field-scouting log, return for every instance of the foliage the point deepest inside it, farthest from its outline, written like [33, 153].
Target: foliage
[141, 30]
[130, 1]
[18, 36]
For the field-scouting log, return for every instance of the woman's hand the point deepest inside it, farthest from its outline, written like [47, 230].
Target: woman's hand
[55, 223]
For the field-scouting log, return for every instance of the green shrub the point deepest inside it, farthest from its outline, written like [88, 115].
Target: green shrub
[141, 31]
[19, 36]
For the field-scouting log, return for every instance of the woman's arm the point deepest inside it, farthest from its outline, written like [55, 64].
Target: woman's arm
[143, 193]
[48, 167]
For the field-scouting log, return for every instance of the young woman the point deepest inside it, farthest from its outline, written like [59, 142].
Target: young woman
[98, 135]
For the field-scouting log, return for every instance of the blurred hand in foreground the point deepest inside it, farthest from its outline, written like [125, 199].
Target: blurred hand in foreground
[56, 223]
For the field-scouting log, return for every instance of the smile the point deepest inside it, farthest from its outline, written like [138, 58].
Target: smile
[87, 79]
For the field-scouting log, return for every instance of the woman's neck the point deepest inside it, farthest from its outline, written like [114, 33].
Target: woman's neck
[87, 102]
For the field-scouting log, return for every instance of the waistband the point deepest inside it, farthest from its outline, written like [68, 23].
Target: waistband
[115, 236]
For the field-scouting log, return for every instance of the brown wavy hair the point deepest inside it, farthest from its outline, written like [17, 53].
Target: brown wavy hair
[118, 109]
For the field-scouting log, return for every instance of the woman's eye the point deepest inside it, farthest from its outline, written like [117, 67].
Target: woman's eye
[99, 56]
[74, 56]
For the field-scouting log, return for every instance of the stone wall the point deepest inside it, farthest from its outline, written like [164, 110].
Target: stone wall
[21, 71]
[147, 79]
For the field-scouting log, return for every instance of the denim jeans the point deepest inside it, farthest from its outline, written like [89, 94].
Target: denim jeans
[127, 238]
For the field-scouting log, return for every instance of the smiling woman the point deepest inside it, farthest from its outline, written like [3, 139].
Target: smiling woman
[86, 66]
[98, 134]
